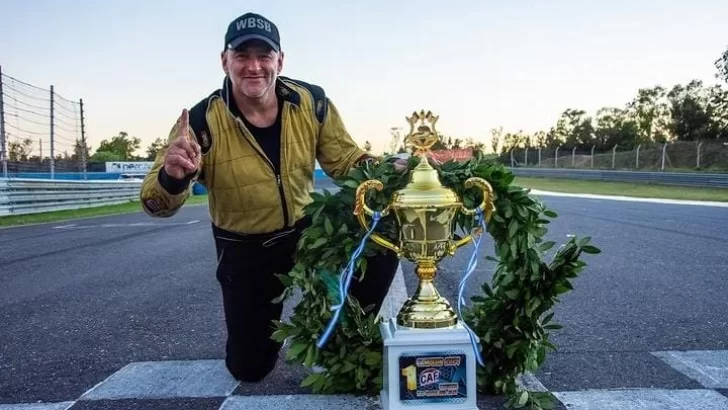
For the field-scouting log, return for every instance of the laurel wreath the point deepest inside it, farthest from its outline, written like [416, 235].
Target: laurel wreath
[512, 317]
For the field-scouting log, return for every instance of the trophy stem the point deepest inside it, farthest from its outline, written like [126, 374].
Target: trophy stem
[426, 309]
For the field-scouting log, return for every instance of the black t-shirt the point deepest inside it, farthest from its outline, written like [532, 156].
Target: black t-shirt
[269, 138]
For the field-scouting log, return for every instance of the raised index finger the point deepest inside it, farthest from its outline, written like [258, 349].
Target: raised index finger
[184, 122]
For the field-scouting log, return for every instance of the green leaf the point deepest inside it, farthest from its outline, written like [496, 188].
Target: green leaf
[372, 358]
[310, 355]
[512, 228]
[591, 249]
[535, 304]
[550, 213]
[311, 379]
[317, 214]
[507, 278]
[547, 318]
[523, 399]
[296, 348]
[350, 183]
[286, 280]
[513, 294]
[318, 243]
[329, 227]
[535, 267]
[546, 246]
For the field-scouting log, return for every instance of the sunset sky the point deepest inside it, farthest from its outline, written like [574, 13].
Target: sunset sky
[479, 65]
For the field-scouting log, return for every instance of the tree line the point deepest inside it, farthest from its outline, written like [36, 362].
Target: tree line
[684, 112]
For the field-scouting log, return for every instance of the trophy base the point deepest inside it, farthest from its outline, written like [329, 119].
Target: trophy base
[418, 314]
[427, 368]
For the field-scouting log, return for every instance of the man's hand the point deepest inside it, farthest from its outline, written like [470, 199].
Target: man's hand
[183, 155]
[400, 165]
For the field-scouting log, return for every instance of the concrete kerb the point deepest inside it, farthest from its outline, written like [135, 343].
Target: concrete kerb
[537, 192]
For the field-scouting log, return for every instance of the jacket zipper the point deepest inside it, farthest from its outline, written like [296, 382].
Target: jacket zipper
[262, 155]
[279, 181]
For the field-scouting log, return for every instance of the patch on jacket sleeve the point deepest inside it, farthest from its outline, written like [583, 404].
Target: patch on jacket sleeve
[157, 208]
[198, 123]
[320, 102]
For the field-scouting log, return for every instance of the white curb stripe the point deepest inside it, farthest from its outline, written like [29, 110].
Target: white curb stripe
[709, 368]
[38, 406]
[633, 199]
[643, 399]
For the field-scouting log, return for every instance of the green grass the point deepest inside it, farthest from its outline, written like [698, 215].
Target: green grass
[623, 189]
[126, 208]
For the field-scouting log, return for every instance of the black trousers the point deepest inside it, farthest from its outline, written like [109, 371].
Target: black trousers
[246, 272]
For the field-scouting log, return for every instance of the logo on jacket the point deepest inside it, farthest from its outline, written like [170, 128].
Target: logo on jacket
[205, 142]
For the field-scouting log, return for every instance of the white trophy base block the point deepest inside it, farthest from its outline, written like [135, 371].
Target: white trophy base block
[430, 369]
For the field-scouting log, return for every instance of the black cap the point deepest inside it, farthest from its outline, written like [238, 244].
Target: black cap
[252, 26]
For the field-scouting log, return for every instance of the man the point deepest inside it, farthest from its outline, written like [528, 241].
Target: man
[253, 144]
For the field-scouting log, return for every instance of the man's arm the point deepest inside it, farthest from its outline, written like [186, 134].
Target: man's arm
[337, 152]
[162, 195]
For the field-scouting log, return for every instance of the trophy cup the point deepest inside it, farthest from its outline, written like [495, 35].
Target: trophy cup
[428, 361]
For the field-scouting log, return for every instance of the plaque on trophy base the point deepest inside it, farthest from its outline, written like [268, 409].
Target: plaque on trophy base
[427, 368]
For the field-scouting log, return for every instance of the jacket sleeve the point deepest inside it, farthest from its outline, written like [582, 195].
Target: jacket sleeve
[336, 151]
[161, 195]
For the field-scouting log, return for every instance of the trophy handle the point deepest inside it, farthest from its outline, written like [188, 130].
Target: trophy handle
[361, 210]
[486, 206]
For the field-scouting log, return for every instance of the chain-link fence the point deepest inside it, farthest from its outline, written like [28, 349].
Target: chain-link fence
[672, 156]
[40, 130]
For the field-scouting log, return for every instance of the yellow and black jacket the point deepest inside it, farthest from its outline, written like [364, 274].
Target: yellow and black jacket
[245, 194]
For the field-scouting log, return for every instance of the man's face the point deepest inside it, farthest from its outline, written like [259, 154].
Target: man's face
[252, 68]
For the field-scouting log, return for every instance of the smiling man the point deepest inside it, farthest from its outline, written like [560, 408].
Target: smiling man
[253, 144]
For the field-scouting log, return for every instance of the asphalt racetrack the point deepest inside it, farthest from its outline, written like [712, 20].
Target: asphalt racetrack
[80, 300]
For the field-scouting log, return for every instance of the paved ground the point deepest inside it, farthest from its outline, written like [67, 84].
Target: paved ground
[123, 312]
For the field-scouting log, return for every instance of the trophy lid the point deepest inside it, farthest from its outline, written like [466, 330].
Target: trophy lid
[424, 187]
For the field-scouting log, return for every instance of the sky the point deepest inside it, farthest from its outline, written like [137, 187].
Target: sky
[478, 65]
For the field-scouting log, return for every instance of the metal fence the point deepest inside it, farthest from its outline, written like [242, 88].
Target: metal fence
[28, 196]
[673, 156]
[40, 130]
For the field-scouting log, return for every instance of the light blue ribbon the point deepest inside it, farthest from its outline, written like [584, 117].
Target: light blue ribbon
[344, 282]
[461, 287]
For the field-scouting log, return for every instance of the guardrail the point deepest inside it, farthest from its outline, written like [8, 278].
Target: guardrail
[694, 179]
[28, 196]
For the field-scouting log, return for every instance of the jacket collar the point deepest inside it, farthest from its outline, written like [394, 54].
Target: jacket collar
[283, 90]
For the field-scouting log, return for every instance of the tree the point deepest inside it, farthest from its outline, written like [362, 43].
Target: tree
[477, 147]
[154, 148]
[20, 151]
[719, 110]
[122, 145]
[495, 137]
[691, 111]
[513, 141]
[616, 127]
[650, 110]
[722, 65]
[80, 150]
[574, 128]
[395, 144]
[106, 156]
[538, 140]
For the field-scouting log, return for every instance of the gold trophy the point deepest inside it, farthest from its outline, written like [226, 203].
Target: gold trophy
[428, 335]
